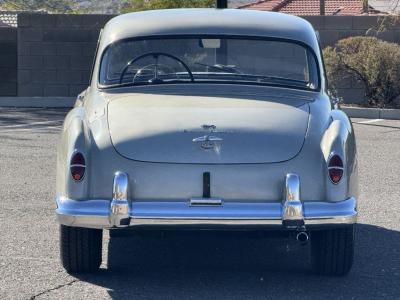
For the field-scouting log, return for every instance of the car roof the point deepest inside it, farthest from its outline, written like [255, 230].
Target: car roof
[209, 22]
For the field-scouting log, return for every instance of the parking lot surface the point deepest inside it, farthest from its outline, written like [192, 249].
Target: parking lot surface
[187, 265]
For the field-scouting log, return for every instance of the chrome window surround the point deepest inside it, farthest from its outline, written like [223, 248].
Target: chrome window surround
[101, 86]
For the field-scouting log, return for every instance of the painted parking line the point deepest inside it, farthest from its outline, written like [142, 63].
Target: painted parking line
[369, 121]
[37, 129]
[56, 122]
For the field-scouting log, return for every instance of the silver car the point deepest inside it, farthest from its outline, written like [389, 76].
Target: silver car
[206, 118]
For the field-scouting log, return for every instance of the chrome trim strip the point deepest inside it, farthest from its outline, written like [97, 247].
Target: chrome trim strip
[205, 202]
[338, 168]
[96, 213]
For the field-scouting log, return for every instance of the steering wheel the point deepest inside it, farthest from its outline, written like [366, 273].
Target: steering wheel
[149, 68]
[155, 55]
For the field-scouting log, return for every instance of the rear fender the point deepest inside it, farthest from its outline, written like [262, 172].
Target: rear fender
[339, 139]
[73, 139]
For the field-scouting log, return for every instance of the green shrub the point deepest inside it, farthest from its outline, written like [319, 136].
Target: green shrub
[372, 61]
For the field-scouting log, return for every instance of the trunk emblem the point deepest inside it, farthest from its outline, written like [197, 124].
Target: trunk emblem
[208, 141]
[210, 128]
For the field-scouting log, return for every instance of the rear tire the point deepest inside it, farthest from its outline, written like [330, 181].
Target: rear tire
[80, 249]
[332, 251]
[117, 233]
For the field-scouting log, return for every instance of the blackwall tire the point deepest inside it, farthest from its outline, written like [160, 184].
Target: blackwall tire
[80, 249]
[332, 251]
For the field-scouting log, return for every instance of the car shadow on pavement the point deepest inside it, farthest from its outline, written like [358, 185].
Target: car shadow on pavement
[227, 265]
[29, 116]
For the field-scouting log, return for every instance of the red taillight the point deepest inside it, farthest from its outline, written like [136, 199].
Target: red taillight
[335, 168]
[77, 166]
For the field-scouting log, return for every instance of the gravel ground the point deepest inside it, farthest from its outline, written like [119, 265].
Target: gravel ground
[185, 265]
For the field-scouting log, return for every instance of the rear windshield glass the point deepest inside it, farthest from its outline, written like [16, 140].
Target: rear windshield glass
[208, 59]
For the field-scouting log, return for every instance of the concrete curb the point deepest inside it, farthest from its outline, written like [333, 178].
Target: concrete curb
[34, 102]
[372, 113]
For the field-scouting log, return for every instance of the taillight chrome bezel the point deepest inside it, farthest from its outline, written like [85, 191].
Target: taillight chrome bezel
[337, 167]
[72, 165]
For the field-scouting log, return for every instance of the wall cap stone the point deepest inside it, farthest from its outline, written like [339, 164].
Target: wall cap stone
[372, 113]
[28, 102]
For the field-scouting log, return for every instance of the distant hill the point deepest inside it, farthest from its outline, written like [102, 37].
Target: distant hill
[100, 6]
[114, 6]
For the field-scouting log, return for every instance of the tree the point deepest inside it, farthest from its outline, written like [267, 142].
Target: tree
[51, 6]
[372, 61]
[138, 5]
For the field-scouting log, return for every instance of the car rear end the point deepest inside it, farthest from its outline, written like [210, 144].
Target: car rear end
[204, 144]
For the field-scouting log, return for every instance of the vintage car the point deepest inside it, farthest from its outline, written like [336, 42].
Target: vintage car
[207, 119]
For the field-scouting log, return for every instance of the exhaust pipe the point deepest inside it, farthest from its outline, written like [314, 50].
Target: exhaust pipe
[222, 4]
[302, 237]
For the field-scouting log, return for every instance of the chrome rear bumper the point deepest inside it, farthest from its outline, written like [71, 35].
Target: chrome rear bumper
[98, 214]
[291, 213]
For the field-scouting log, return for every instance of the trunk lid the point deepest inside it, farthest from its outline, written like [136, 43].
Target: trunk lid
[206, 130]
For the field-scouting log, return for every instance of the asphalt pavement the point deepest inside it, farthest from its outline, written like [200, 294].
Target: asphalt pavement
[187, 265]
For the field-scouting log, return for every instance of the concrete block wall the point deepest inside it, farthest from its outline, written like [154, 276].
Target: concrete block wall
[55, 53]
[334, 28]
[8, 61]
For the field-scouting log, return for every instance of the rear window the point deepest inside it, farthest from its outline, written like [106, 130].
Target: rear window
[209, 59]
